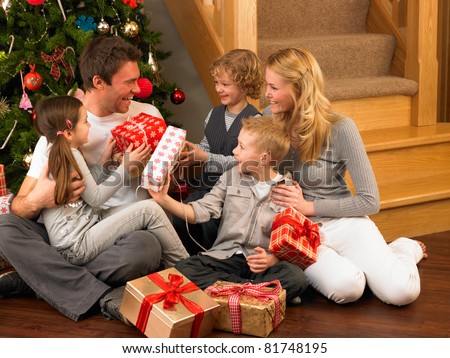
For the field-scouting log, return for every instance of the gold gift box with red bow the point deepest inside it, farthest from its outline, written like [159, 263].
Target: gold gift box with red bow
[167, 304]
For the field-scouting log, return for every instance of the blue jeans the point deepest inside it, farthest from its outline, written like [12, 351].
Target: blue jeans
[74, 290]
[118, 221]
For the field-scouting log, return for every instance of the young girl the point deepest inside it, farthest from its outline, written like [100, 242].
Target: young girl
[81, 230]
[237, 75]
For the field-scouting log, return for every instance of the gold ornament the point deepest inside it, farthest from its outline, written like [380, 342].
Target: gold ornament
[130, 29]
[27, 158]
[103, 27]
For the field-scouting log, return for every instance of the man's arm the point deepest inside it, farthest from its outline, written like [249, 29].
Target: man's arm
[37, 194]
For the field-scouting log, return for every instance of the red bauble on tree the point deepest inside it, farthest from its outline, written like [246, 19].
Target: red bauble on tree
[32, 80]
[35, 2]
[177, 97]
[146, 88]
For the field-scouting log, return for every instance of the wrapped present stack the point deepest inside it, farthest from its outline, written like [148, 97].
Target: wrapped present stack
[163, 158]
[251, 309]
[167, 304]
[137, 130]
[5, 195]
[294, 238]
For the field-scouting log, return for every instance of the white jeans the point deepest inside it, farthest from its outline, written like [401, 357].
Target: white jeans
[353, 252]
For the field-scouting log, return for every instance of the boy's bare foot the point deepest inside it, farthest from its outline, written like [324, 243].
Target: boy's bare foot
[424, 249]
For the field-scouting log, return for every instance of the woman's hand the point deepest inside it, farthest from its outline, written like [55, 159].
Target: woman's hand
[261, 261]
[292, 195]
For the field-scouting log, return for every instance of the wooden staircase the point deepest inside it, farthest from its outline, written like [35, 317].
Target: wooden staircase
[408, 148]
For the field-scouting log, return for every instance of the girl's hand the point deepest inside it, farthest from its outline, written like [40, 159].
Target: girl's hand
[261, 261]
[292, 195]
[135, 160]
[108, 151]
[193, 155]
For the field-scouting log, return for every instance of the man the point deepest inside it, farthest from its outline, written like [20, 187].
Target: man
[109, 69]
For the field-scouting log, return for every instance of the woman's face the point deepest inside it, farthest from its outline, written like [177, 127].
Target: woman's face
[278, 92]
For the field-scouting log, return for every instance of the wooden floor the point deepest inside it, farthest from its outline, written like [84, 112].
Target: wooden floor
[317, 317]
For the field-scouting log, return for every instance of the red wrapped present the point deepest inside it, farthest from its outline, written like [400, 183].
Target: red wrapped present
[166, 304]
[294, 238]
[142, 128]
[163, 158]
[3, 189]
[253, 309]
[5, 203]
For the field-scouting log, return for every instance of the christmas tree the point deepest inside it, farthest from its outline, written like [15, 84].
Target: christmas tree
[40, 42]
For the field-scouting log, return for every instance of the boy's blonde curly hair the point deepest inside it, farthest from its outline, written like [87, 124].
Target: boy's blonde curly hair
[244, 68]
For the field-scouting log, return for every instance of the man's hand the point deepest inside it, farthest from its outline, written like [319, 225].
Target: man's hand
[76, 186]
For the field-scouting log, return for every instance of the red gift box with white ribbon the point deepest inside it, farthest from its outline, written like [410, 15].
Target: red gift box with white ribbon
[163, 158]
[137, 130]
[294, 238]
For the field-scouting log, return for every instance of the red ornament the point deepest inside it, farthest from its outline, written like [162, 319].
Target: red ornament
[177, 97]
[35, 2]
[32, 80]
[146, 88]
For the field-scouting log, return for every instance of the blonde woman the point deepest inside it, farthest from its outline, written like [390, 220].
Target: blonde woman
[324, 146]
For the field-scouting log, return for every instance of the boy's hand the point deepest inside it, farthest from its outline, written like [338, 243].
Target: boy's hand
[261, 261]
[193, 155]
[159, 196]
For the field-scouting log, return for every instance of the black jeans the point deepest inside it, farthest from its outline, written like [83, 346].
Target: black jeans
[204, 270]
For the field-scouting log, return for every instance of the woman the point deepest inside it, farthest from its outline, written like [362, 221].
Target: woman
[324, 145]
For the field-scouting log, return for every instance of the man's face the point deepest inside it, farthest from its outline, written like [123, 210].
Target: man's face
[117, 97]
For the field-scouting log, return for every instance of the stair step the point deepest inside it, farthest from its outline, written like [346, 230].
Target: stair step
[296, 18]
[353, 88]
[375, 112]
[395, 153]
[415, 191]
[405, 136]
[341, 56]
[414, 220]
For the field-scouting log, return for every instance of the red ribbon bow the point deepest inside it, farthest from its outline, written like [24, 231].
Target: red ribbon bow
[234, 293]
[56, 58]
[172, 295]
[307, 229]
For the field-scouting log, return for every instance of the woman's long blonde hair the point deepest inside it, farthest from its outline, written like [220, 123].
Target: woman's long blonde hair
[54, 115]
[311, 117]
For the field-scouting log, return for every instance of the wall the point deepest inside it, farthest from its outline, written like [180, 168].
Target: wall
[179, 68]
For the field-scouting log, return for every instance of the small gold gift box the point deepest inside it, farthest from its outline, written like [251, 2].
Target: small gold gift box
[260, 311]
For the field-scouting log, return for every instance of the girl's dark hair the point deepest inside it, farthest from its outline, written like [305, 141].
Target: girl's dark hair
[53, 115]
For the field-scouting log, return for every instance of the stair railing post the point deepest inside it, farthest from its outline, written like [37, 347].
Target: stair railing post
[421, 59]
